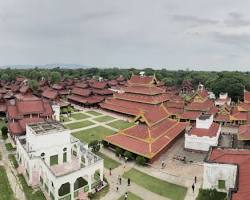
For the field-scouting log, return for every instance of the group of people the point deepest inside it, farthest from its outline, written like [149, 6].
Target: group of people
[120, 183]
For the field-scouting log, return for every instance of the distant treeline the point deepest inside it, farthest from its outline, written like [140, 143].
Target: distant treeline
[231, 82]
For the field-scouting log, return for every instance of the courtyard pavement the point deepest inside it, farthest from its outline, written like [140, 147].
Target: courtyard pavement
[11, 173]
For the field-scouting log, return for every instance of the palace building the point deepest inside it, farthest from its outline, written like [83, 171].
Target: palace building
[204, 134]
[140, 94]
[49, 157]
[27, 110]
[227, 170]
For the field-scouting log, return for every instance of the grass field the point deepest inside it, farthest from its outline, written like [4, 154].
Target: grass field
[97, 133]
[9, 147]
[109, 162]
[2, 123]
[120, 124]
[79, 124]
[64, 119]
[79, 116]
[104, 119]
[158, 186]
[6, 192]
[30, 194]
[131, 196]
[13, 160]
[94, 113]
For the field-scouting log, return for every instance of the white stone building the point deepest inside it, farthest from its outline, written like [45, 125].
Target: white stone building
[227, 170]
[203, 135]
[60, 164]
[223, 99]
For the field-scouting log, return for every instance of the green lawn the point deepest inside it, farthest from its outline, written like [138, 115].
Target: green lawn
[13, 160]
[64, 119]
[29, 192]
[131, 196]
[79, 124]
[6, 192]
[9, 147]
[97, 133]
[104, 119]
[108, 162]
[211, 195]
[79, 116]
[158, 186]
[94, 113]
[120, 124]
[2, 123]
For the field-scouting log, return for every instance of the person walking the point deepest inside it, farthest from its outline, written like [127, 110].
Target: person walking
[193, 187]
[117, 188]
[110, 171]
[120, 180]
[195, 179]
[126, 196]
[128, 181]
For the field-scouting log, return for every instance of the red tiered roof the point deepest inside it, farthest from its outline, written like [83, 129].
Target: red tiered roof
[156, 99]
[144, 90]
[86, 100]
[81, 92]
[241, 158]
[141, 80]
[102, 92]
[148, 141]
[191, 115]
[50, 94]
[27, 111]
[99, 84]
[200, 106]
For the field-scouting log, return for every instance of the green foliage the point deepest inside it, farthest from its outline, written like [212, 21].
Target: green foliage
[64, 110]
[129, 155]
[5, 77]
[4, 131]
[55, 77]
[33, 85]
[211, 195]
[105, 143]
[140, 160]
[13, 160]
[230, 82]
[118, 151]
[94, 146]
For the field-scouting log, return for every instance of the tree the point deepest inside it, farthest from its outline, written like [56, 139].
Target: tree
[4, 131]
[33, 85]
[5, 77]
[55, 77]
[94, 146]
[118, 151]
[140, 160]
[128, 155]
[105, 143]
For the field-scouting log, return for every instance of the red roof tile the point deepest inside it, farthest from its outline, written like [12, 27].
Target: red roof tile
[244, 132]
[81, 92]
[191, 115]
[153, 90]
[50, 94]
[201, 132]
[246, 96]
[141, 80]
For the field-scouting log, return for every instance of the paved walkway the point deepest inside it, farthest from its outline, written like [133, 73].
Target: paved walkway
[11, 173]
[138, 190]
[134, 188]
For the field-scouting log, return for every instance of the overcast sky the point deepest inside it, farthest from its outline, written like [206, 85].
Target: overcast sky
[172, 34]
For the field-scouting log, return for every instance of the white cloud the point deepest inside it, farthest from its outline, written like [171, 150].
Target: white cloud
[197, 34]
